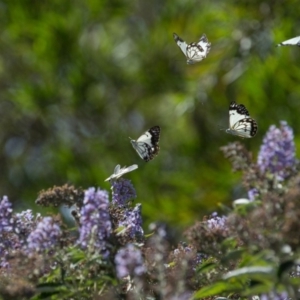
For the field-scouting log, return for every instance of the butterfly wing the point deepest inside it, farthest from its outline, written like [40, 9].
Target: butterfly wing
[291, 42]
[117, 169]
[180, 43]
[237, 112]
[118, 172]
[125, 170]
[196, 52]
[245, 128]
[147, 144]
[240, 122]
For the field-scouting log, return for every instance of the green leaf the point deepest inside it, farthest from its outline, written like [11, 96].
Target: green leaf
[251, 272]
[49, 289]
[218, 288]
[233, 255]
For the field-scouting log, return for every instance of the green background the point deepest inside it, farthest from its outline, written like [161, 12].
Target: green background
[78, 78]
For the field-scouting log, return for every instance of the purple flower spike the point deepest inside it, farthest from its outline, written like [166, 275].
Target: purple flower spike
[45, 236]
[122, 191]
[277, 153]
[133, 221]
[7, 239]
[6, 220]
[25, 222]
[95, 220]
[129, 261]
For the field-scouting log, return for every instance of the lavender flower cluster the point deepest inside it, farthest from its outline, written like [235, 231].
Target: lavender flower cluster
[95, 220]
[45, 236]
[22, 231]
[8, 240]
[5, 226]
[25, 223]
[132, 221]
[129, 219]
[34, 234]
[6, 219]
[122, 191]
[216, 222]
[277, 156]
[277, 153]
[129, 261]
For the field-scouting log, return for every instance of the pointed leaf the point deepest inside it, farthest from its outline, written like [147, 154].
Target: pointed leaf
[251, 272]
[217, 288]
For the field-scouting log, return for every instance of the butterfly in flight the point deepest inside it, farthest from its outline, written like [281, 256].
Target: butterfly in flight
[291, 42]
[240, 122]
[194, 52]
[147, 144]
[118, 172]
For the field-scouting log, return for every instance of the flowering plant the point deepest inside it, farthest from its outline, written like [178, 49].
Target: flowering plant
[251, 250]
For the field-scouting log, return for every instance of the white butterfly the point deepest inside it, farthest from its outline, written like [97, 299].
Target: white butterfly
[118, 172]
[194, 52]
[147, 144]
[291, 42]
[240, 123]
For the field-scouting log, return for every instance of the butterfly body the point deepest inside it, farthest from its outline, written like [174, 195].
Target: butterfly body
[291, 42]
[147, 144]
[240, 122]
[194, 52]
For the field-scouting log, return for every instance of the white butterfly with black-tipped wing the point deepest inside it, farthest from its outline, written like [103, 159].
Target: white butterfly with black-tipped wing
[240, 122]
[194, 52]
[291, 42]
[147, 144]
[118, 172]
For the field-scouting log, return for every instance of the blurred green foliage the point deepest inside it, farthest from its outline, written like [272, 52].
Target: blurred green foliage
[78, 78]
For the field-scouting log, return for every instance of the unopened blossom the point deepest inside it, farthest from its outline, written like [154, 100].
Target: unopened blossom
[132, 221]
[122, 191]
[277, 153]
[129, 261]
[45, 236]
[95, 220]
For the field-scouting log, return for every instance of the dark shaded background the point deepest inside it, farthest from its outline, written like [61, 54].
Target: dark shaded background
[78, 78]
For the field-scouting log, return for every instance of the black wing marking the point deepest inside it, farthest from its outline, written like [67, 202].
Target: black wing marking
[204, 39]
[177, 38]
[247, 125]
[240, 108]
[155, 134]
[146, 151]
